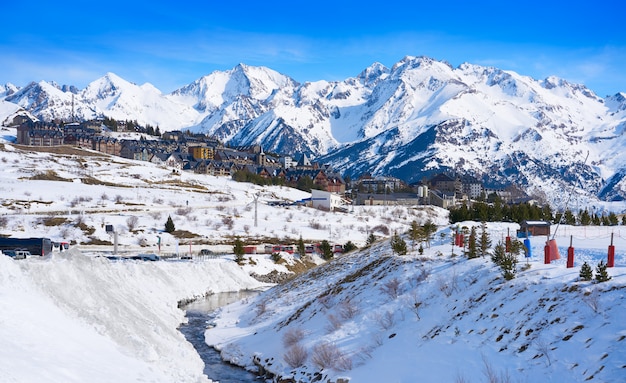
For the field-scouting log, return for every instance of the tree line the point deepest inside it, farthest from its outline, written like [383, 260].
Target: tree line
[502, 212]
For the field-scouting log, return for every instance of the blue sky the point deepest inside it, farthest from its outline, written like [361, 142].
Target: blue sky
[172, 43]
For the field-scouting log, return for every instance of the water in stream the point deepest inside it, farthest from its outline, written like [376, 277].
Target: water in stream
[198, 313]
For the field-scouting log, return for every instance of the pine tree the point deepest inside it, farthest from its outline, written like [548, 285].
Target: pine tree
[238, 250]
[472, 251]
[414, 233]
[327, 251]
[169, 225]
[370, 240]
[398, 245]
[506, 261]
[348, 247]
[301, 247]
[484, 242]
[586, 274]
[601, 274]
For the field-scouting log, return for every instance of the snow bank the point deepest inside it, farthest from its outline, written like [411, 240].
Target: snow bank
[74, 318]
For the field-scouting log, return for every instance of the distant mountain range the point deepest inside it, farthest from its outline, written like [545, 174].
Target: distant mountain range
[419, 117]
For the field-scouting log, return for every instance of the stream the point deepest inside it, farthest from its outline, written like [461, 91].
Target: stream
[198, 313]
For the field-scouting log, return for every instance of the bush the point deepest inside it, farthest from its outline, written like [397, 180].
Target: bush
[398, 245]
[169, 225]
[328, 355]
[292, 337]
[348, 247]
[506, 261]
[295, 356]
[601, 274]
[586, 274]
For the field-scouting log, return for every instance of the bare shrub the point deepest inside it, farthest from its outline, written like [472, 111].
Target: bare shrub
[385, 320]
[118, 199]
[391, 288]
[592, 299]
[348, 309]
[131, 222]
[415, 303]
[328, 355]
[292, 337]
[334, 323]
[246, 229]
[313, 224]
[295, 356]
[156, 215]
[228, 222]
[384, 230]
[104, 197]
[183, 211]
[65, 231]
[158, 201]
[4, 222]
[491, 374]
[261, 307]
[142, 241]
[544, 348]
[224, 198]
[326, 301]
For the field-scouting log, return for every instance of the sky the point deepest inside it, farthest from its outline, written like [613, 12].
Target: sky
[171, 44]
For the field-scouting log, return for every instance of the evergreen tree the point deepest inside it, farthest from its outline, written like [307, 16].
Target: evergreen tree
[595, 220]
[326, 249]
[370, 240]
[238, 250]
[484, 242]
[169, 225]
[348, 247]
[398, 245]
[428, 229]
[301, 247]
[601, 274]
[586, 274]
[506, 261]
[613, 219]
[415, 233]
[569, 218]
[624, 220]
[584, 218]
[472, 251]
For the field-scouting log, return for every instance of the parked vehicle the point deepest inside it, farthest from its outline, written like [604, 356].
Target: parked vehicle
[37, 246]
[17, 254]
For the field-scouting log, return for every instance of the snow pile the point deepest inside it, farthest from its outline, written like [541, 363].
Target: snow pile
[373, 316]
[74, 318]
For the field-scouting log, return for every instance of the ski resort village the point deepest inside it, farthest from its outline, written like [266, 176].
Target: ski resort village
[419, 223]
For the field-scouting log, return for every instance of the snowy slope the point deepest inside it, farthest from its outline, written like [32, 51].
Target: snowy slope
[373, 316]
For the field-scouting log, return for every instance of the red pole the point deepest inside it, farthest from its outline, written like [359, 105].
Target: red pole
[546, 254]
[611, 256]
[570, 254]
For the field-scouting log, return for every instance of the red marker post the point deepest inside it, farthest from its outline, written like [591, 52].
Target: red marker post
[570, 254]
[611, 256]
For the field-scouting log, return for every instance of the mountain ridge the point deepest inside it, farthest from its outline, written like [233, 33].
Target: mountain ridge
[418, 117]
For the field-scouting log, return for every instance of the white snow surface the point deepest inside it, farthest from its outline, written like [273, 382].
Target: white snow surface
[76, 317]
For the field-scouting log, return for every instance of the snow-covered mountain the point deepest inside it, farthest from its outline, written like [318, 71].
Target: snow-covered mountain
[419, 117]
